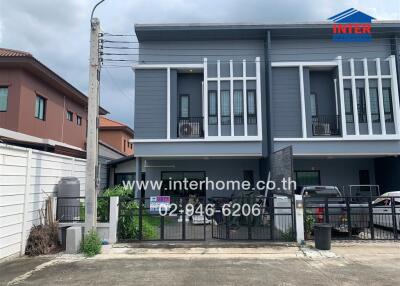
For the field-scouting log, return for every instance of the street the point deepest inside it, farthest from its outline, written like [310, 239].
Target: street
[346, 264]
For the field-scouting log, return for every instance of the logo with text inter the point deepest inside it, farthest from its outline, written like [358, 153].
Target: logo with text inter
[351, 26]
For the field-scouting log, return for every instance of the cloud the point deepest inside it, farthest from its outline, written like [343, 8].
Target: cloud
[57, 31]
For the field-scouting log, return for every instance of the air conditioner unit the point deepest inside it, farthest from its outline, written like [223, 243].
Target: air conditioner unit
[321, 129]
[189, 129]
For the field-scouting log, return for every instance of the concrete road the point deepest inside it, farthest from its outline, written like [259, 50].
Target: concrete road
[346, 264]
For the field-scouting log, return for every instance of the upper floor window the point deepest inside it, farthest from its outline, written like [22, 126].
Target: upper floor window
[184, 106]
[348, 105]
[124, 145]
[361, 106]
[40, 108]
[387, 104]
[212, 107]
[70, 115]
[238, 106]
[225, 107]
[251, 107]
[313, 104]
[3, 98]
[79, 120]
[373, 97]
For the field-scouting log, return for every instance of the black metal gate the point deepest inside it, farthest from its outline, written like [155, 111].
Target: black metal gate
[255, 218]
[354, 218]
[138, 223]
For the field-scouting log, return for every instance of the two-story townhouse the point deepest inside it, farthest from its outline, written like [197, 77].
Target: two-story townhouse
[218, 101]
[38, 108]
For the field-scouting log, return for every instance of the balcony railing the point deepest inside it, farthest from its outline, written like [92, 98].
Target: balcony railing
[326, 125]
[190, 127]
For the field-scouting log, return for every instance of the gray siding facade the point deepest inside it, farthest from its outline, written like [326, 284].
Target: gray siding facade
[150, 104]
[286, 114]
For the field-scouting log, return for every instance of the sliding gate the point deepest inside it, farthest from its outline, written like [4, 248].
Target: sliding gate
[241, 218]
[255, 218]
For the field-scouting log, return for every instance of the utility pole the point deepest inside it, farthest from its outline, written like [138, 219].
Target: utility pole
[92, 131]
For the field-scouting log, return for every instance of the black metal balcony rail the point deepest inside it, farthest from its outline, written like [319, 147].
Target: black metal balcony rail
[326, 125]
[190, 127]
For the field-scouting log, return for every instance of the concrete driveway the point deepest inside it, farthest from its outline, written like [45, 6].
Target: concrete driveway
[346, 264]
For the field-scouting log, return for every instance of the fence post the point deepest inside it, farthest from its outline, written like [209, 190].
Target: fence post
[26, 200]
[140, 219]
[326, 212]
[394, 219]
[348, 213]
[371, 218]
[113, 219]
[299, 210]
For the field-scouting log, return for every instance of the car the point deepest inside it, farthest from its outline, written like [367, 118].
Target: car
[327, 204]
[382, 210]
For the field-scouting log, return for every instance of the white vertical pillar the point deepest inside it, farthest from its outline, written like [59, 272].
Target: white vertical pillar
[354, 95]
[113, 220]
[244, 98]
[336, 98]
[168, 103]
[380, 96]
[26, 200]
[395, 93]
[231, 96]
[258, 94]
[219, 95]
[205, 98]
[302, 103]
[367, 96]
[299, 218]
[341, 96]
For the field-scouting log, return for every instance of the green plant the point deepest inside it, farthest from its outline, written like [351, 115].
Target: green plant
[287, 235]
[91, 244]
[128, 223]
[117, 191]
[309, 222]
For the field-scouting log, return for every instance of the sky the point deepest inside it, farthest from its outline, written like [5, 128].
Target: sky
[56, 32]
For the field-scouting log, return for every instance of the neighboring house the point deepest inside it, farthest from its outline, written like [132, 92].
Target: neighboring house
[38, 108]
[219, 100]
[116, 134]
[123, 169]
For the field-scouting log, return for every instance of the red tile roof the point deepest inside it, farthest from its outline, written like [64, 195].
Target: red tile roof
[13, 53]
[106, 123]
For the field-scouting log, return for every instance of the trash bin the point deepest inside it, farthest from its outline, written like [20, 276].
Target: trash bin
[322, 236]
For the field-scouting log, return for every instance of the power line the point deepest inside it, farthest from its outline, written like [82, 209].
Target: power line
[117, 86]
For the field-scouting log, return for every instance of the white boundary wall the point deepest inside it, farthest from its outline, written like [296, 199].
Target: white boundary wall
[27, 176]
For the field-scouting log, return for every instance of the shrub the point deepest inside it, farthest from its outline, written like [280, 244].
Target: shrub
[309, 224]
[91, 244]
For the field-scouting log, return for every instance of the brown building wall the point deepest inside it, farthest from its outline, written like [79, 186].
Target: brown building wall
[55, 126]
[10, 78]
[117, 139]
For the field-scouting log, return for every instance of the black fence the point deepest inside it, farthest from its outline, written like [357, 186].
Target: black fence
[190, 127]
[326, 125]
[254, 218]
[72, 209]
[139, 222]
[194, 218]
[354, 218]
